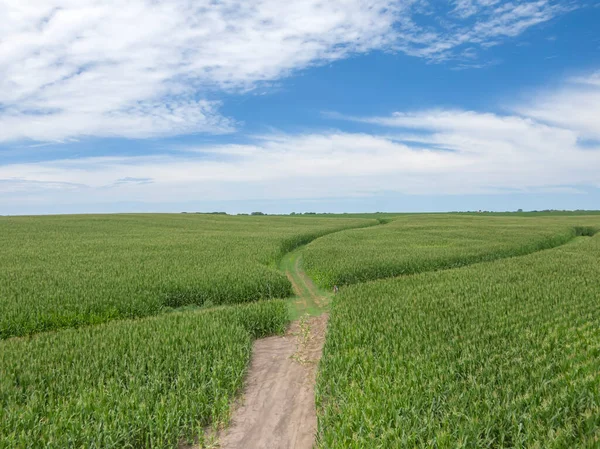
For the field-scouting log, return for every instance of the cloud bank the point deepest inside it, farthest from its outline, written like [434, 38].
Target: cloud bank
[147, 68]
[420, 152]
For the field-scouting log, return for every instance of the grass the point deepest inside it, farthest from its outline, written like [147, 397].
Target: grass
[500, 354]
[153, 382]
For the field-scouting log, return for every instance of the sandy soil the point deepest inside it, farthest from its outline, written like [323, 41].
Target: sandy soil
[277, 410]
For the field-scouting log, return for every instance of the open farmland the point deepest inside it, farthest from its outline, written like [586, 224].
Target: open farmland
[145, 383]
[299, 224]
[68, 271]
[417, 243]
[487, 335]
[501, 354]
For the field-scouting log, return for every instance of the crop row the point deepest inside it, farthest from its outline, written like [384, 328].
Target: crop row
[59, 272]
[417, 243]
[153, 382]
[501, 354]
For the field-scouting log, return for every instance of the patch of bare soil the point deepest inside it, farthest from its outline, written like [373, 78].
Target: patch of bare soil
[277, 410]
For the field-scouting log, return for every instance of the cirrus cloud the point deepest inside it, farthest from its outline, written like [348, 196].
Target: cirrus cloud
[146, 68]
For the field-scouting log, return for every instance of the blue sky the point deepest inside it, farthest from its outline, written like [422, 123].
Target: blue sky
[338, 105]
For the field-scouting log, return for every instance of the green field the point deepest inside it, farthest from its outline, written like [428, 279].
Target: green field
[416, 243]
[148, 383]
[450, 330]
[498, 355]
[62, 272]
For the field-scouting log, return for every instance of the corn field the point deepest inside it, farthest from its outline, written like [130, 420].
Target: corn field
[153, 382]
[485, 335]
[415, 243]
[500, 354]
[60, 272]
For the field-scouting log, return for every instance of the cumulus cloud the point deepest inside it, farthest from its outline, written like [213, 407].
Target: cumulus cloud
[146, 68]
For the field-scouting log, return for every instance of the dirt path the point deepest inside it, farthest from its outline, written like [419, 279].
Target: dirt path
[278, 407]
[277, 410]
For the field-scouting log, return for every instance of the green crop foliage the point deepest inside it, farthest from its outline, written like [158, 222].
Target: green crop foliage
[67, 271]
[500, 354]
[153, 382]
[416, 243]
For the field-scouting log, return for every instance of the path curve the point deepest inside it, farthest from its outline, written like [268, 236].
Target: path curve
[277, 409]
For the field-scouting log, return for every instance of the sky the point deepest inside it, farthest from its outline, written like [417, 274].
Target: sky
[296, 106]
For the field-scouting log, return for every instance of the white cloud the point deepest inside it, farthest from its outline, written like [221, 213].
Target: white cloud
[465, 8]
[575, 106]
[136, 120]
[144, 68]
[477, 22]
[428, 152]
[136, 68]
[424, 152]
